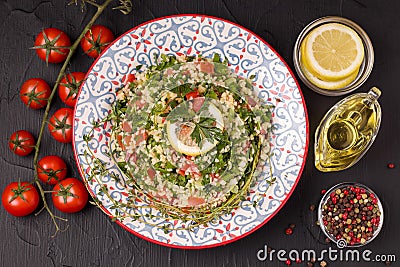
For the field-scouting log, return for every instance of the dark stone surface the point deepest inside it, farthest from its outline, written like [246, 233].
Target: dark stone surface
[91, 238]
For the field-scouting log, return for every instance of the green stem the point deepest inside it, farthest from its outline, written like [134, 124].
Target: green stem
[92, 3]
[100, 9]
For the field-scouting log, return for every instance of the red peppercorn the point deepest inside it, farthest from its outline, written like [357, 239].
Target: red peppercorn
[362, 191]
[357, 190]
[289, 231]
[363, 218]
[334, 199]
[298, 260]
[345, 192]
[338, 237]
[370, 207]
[344, 216]
[358, 197]
[325, 223]
[374, 201]
[391, 165]
[333, 194]
[323, 191]
[288, 262]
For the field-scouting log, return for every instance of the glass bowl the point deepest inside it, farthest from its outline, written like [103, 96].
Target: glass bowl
[343, 238]
[365, 68]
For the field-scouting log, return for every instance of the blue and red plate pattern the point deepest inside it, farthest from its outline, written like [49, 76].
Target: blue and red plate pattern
[247, 55]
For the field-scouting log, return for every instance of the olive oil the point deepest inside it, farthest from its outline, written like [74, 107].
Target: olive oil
[347, 131]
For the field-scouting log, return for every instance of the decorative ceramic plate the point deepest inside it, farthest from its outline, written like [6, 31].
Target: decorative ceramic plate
[247, 55]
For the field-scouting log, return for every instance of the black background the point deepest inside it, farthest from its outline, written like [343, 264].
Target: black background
[91, 238]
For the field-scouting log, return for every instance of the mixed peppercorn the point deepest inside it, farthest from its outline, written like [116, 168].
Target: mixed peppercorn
[351, 213]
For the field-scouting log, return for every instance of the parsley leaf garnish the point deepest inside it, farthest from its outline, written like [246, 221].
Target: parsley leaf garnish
[206, 129]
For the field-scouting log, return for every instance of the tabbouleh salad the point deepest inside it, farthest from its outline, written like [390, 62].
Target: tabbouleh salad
[190, 132]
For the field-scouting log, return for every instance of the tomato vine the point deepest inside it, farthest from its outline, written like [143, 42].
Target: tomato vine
[125, 7]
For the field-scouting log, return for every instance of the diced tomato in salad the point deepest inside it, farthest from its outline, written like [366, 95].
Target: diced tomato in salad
[207, 67]
[140, 137]
[197, 103]
[192, 95]
[189, 168]
[195, 201]
[151, 172]
[126, 126]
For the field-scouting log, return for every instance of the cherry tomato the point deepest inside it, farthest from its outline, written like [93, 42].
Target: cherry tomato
[21, 143]
[192, 95]
[69, 87]
[96, 40]
[51, 169]
[52, 45]
[34, 93]
[60, 125]
[70, 195]
[20, 198]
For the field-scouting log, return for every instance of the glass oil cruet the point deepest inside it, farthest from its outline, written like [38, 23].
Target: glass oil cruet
[347, 131]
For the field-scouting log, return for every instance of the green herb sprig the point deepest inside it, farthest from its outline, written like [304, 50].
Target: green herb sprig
[206, 129]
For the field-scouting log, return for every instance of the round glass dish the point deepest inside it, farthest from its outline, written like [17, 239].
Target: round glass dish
[366, 222]
[365, 68]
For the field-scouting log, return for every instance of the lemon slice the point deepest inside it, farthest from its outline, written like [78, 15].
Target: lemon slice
[175, 138]
[178, 134]
[334, 85]
[329, 85]
[333, 52]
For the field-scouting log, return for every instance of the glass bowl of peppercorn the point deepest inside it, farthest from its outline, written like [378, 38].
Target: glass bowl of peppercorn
[350, 214]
